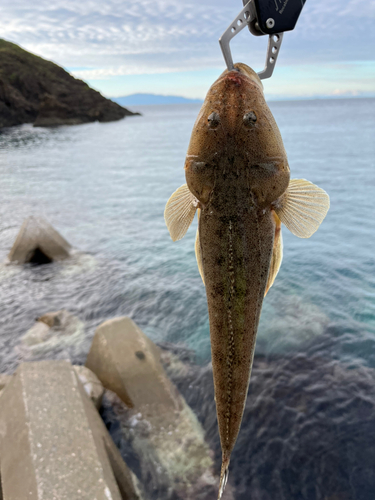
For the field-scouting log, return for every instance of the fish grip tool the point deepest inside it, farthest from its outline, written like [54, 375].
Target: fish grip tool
[263, 17]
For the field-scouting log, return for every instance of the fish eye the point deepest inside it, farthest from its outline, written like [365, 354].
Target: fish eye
[249, 119]
[213, 120]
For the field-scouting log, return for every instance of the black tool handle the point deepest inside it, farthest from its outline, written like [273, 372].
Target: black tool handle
[276, 16]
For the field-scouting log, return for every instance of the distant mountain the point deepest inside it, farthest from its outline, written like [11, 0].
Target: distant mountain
[140, 99]
[33, 90]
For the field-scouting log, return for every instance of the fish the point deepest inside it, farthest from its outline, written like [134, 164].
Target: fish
[238, 182]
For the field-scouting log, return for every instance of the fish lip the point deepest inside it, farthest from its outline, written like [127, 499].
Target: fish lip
[234, 75]
[238, 78]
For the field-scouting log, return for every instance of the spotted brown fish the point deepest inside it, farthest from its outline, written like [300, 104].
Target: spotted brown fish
[238, 179]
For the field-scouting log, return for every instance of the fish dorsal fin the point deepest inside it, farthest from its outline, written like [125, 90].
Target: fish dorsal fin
[302, 207]
[198, 251]
[179, 212]
[277, 254]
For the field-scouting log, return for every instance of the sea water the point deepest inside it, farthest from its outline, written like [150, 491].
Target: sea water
[104, 186]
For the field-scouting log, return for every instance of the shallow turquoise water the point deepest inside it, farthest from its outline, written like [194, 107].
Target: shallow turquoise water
[104, 187]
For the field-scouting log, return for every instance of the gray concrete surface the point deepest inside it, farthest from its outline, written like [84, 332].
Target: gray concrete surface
[127, 362]
[4, 380]
[53, 443]
[38, 239]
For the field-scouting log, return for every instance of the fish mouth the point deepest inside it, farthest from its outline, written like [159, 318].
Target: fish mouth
[240, 75]
[235, 78]
[232, 76]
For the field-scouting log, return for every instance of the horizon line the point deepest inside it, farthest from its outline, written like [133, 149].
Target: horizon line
[269, 99]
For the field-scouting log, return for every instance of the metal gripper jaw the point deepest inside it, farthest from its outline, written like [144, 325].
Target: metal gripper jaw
[263, 17]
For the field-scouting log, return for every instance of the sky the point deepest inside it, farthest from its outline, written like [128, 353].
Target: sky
[170, 47]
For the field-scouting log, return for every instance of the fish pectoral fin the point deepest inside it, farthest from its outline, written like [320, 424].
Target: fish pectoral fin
[179, 212]
[198, 252]
[302, 207]
[277, 254]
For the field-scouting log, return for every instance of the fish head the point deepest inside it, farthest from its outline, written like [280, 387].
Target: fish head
[235, 133]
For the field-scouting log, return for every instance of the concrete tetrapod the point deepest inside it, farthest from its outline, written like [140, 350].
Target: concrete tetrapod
[127, 362]
[53, 443]
[4, 380]
[166, 440]
[38, 242]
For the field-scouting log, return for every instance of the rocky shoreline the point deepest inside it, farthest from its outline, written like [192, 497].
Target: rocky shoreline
[34, 90]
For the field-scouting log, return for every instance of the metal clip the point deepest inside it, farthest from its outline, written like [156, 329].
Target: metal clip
[244, 18]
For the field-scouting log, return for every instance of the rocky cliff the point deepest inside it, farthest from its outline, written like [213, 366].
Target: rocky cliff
[33, 90]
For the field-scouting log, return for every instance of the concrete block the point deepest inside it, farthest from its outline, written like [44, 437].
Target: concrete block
[4, 380]
[127, 363]
[165, 437]
[38, 242]
[53, 443]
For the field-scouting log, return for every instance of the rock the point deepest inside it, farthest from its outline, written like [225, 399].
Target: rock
[54, 332]
[52, 112]
[53, 444]
[35, 90]
[156, 429]
[307, 430]
[92, 385]
[38, 243]
[62, 320]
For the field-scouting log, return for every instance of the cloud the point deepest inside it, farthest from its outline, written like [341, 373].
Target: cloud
[344, 92]
[103, 40]
[106, 73]
[95, 33]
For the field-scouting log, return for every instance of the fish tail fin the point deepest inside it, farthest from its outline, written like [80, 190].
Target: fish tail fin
[223, 476]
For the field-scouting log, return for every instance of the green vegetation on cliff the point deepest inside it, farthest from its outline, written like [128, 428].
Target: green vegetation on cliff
[33, 90]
